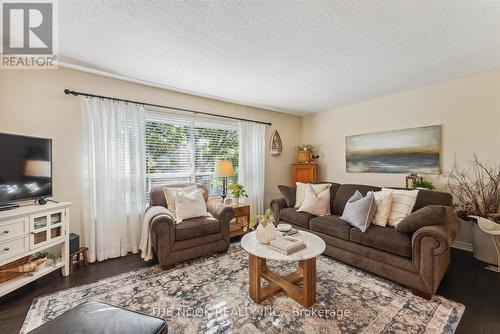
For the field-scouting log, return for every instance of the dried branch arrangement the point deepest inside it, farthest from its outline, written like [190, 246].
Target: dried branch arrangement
[477, 189]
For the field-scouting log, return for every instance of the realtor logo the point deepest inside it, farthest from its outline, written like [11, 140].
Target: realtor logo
[28, 34]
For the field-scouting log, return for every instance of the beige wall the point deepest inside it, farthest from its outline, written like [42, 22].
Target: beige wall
[33, 103]
[468, 110]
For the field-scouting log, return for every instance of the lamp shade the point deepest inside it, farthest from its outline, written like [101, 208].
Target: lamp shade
[37, 168]
[223, 168]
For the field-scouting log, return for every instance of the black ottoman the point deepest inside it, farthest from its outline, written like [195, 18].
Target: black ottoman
[97, 318]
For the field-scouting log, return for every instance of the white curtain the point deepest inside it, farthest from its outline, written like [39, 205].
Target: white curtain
[251, 173]
[113, 177]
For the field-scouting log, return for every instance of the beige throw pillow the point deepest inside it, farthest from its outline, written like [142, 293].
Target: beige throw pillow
[403, 202]
[316, 202]
[190, 205]
[301, 191]
[171, 193]
[384, 202]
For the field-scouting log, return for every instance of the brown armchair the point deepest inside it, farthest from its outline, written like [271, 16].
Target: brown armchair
[195, 237]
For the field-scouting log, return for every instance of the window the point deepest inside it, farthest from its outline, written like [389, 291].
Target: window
[184, 149]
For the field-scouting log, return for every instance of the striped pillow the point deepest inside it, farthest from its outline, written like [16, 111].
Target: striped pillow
[403, 202]
[384, 202]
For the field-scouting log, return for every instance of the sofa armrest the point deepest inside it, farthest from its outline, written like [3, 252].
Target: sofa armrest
[444, 234]
[224, 213]
[277, 205]
[163, 238]
[431, 251]
[163, 222]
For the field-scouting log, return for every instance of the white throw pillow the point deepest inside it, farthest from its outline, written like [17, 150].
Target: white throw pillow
[190, 205]
[301, 191]
[316, 202]
[171, 192]
[403, 202]
[383, 199]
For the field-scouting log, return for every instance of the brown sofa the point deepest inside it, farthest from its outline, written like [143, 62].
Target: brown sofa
[174, 243]
[417, 260]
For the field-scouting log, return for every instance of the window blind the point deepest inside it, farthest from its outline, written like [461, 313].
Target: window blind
[180, 148]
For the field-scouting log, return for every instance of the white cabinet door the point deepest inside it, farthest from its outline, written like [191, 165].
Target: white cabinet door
[47, 227]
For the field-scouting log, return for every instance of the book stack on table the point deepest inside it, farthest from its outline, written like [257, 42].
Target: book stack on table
[287, 244]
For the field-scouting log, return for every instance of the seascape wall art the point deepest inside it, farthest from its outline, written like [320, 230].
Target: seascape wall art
[415, 150]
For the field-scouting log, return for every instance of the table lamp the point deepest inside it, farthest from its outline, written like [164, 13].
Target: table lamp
[224, 169]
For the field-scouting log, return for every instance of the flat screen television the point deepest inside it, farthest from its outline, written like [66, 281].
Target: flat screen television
[25, 168]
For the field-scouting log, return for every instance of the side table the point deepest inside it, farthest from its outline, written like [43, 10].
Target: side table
[241, 220]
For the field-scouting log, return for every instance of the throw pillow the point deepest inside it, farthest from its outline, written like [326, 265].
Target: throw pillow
[190, 205]
[403, 202]
[316, 203]
[384, 203]
[170, 193]
[288, 194]
[359, 210]
[301, 191]
[428, 215]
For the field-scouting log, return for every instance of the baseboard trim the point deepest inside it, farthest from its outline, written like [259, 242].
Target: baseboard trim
[462, 245]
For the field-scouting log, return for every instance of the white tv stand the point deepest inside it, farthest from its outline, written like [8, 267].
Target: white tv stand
[30, 229]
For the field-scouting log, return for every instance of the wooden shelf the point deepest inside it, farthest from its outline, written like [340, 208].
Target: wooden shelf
[17, 282]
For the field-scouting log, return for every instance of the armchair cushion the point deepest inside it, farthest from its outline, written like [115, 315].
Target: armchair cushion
[190, 205]
[196, 227]
[426, 216]
[171, 193]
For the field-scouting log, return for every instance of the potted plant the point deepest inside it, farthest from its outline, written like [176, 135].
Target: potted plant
[265, 230]
[477, 190]
[426, 185]
[237, 191]
[305, 153]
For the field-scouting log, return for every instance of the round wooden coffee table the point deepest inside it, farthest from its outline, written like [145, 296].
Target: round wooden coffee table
[306, 271]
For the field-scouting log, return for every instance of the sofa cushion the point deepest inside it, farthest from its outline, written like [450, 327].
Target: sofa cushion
[333, 192]
[383, 238]
[298, 218]
[316, 203]
[428, 215]
[384, 202]
[359, 210]
[196, 227]
[344, 192]
[301, 190]
[288, 194]
[331, 225]
[429, 197]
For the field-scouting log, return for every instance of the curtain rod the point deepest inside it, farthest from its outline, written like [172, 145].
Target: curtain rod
[74, 93]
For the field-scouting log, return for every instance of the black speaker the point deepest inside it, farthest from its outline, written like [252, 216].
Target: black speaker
[74, 243]
[41, 201]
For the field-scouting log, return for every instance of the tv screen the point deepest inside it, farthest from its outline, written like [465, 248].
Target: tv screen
[25, 168]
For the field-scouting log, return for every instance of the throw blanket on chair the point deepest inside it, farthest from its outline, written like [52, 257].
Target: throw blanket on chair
[146, 246]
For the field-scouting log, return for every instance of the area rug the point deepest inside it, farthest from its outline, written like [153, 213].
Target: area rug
[210, 295]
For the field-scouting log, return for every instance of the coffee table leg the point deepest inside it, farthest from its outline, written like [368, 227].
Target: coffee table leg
[257, 265]
[308, 268]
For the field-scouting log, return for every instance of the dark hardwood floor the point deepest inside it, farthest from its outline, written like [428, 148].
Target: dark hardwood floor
[466, 282]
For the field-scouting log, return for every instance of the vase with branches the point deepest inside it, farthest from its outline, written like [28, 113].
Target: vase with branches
[477, 189]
